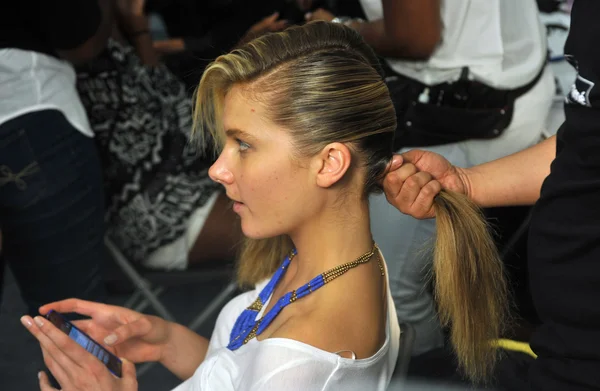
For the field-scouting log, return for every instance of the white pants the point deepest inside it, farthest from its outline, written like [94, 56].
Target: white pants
[404, 240]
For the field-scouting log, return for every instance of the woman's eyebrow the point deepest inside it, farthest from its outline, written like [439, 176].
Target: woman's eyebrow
[233, 133]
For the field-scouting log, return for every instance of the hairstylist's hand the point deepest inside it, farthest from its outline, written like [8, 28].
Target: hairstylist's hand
[74, 368]
[129, 334]
[416, 177]
[319, 14]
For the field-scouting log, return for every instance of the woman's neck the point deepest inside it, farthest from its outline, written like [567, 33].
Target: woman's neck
[334, 238]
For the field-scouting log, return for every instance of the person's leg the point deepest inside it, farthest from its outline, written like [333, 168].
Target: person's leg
[405, 242]
[220, 234]
[51, 209]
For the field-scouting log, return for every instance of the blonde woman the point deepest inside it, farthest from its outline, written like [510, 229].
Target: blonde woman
[305, 126]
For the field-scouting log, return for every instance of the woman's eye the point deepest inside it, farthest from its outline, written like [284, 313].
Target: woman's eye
[242, 145]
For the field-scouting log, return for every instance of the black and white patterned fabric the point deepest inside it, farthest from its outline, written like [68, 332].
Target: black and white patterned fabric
[155, 178]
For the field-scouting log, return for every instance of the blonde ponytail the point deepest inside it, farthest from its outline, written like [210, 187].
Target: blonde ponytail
[470, 286]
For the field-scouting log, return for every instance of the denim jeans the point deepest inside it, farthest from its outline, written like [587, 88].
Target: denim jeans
[51, 209]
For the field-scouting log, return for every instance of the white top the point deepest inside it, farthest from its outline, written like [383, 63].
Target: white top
[31, 81]
[501, 41]
[276, 364]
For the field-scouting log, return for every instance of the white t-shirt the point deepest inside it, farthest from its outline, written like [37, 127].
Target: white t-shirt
[501, 41]
[31, 81]
[277, 364]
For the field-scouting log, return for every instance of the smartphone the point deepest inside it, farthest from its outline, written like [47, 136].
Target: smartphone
[112, 362]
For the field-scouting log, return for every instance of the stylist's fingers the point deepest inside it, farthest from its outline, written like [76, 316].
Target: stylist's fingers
[416, 194]
[413, 185]
[423, 205]
[395, 163]
[394, 180]
[45, 382]
[137, 328]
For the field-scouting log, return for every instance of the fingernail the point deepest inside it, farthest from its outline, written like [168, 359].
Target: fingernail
[38, 321]
[25, 321]
[307, 15]
[110, 339]
[39, 375]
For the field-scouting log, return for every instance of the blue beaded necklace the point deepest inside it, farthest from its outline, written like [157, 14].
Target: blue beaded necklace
[247, 327]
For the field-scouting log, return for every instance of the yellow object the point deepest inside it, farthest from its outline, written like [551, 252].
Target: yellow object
[516, 346]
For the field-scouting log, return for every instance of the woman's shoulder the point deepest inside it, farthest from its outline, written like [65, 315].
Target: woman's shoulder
[336, 320]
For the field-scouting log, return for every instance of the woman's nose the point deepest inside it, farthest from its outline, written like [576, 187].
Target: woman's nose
[219, 172]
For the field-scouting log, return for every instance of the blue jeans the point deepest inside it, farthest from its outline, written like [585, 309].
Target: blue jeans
[51, 209]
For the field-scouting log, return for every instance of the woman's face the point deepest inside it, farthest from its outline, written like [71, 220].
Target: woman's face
[272, 192]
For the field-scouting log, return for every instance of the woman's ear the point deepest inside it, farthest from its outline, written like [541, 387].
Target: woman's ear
[332, 163]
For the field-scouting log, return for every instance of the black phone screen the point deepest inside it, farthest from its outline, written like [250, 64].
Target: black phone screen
[112, 362]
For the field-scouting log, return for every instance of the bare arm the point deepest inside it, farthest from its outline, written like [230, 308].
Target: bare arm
[184, 352]
[409, 29]
[416, 177]
[512, 180]
[137, 30]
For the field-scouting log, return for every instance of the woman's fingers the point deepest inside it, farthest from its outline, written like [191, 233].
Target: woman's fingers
[85, 325]
[56, 369]
[56, 343]
[128, 375]
[134, 329]
[81, 307]
[45, 382]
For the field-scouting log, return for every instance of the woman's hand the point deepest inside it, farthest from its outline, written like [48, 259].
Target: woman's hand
[74, 368]
[416, 177]
[129, 334]
[319, 14]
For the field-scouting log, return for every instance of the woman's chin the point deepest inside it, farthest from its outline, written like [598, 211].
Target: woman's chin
[256, 233]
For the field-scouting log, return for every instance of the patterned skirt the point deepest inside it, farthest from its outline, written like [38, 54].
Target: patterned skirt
[158, 192]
